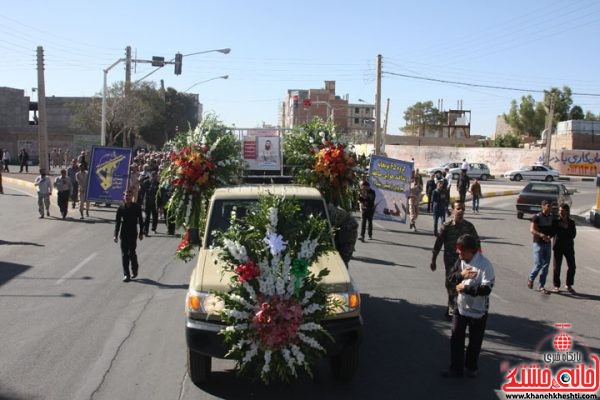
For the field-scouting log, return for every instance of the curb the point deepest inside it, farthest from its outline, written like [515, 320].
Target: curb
[577, 179]
[19, 182]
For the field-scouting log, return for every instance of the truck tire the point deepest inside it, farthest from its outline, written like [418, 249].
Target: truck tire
[520, 215]
[518, 178]
[344, 364]
[484, 177]
[549, 178]
[199, 367]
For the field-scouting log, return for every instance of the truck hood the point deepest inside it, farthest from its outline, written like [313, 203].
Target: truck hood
[209, 276]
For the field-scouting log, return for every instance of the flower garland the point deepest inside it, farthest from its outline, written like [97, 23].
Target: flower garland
[275, 301]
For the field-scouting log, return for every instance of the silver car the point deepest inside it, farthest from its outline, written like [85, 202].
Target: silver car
[476, 170]
[533, 173]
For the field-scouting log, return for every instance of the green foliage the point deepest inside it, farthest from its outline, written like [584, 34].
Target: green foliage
[590, 116]
[562, 103]
[526, 118]
[509, 140]
[576, 113]
[421, 115]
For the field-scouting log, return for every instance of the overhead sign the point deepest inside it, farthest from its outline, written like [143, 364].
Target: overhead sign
[108, 174]
[390, 179]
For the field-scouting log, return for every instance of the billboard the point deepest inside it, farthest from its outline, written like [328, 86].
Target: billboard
[108, 174]
[262, 151]
[390, 179]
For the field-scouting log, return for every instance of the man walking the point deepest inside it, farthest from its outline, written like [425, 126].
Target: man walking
[462, 185]
[44, 190]
[24, 160]
[366, 198]
[64, 187]
[543, 228]
[6, 159]
[448, 236]
[82, 177]
[440, 205]
[150, 188]
[128, 218]
[474, 279]
[71, 173]
[430, 186]
[475, 191]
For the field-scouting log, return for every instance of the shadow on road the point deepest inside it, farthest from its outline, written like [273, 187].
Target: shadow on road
[404, 349]
[21, 243]
[9, 271]
[146, 281]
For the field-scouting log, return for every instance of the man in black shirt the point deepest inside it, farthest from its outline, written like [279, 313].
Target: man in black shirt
[366, 198]
[129, 216]
[543, 229]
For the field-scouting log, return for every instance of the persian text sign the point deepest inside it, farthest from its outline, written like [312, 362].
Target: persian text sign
[390, 179]
[108, 174]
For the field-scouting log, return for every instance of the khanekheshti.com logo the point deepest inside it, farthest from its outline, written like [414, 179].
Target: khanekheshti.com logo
[567, 366]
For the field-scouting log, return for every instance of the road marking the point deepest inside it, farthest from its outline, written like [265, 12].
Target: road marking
[77, 268]
[22, 191]
[592, 269]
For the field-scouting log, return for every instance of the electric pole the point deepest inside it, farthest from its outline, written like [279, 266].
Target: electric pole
[385, 121]
[42, 121]
[549, 130]
[377, 142]
[127, 88]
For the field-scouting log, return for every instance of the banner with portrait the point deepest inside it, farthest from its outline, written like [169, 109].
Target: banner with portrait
[390, 179]
[108, 174]
[262, 152]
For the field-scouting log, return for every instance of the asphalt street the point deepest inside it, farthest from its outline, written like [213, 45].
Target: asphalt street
[72, 330]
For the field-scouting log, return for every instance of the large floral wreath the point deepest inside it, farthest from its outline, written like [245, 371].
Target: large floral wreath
[275, 301]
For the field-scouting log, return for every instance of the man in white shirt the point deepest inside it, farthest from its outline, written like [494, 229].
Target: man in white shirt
[44, 190]
[474, 277]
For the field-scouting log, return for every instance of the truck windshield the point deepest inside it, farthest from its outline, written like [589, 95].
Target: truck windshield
[221, 213]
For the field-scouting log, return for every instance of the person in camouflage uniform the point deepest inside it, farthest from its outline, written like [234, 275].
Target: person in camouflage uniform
[448, 236]
[346, 231]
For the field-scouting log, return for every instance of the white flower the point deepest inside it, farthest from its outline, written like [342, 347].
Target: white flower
[273, 217]
[240, 300]
[250, 353]
[298, 354]
[275, 242]
[250, 290]
[267, 367]
[322, 134]
[288, 359]
[307, 296]
[236, 314]
[280, 286]
[310, 341]
[307, 248]
[310, 326]
[311, 309]
[236, 250]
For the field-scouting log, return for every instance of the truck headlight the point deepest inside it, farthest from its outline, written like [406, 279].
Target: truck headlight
[345, 302]
[201, 304]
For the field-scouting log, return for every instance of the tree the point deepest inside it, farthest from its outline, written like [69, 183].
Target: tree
[562, 103]
[181, 112]
[509, 140]
[590, 116]
[576, 113]
[421, 115]
[526, 118]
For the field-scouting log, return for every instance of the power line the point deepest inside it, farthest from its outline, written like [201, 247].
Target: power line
[482, 86]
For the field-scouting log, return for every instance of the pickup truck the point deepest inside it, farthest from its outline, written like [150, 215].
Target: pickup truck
[530, 199]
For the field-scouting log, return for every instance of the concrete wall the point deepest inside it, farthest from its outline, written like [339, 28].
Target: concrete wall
[500, 160]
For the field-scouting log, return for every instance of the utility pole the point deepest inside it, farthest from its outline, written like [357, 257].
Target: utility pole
[42, 121]
[377, 142]
[385, 121]
[127, 88]
[549, 129]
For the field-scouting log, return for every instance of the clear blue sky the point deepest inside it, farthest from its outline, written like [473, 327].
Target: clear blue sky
[281, 45]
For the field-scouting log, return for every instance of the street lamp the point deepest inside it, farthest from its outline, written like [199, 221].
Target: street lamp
[207, 80]
[224, 51]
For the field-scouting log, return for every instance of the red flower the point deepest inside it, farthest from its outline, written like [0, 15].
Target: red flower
[247, 271]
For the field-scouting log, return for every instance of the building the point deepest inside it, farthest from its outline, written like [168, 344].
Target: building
[353, 119]
[18, 123]
[576, 134]
[456, 125]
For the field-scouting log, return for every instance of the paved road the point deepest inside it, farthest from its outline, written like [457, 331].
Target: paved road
[72, 330]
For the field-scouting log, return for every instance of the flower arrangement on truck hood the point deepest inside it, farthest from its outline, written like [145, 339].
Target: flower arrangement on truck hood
[275, 302]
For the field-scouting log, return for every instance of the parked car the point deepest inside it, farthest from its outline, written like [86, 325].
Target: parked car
[533, 173]
[476, 170]
[202, 306]
[530, 199]
[443, 167]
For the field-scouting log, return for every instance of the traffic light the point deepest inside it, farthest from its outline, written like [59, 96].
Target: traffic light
[307, 103]
[178, 61]
[296, 101]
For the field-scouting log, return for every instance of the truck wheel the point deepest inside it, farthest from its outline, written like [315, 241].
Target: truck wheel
[344, 364]
[518, 177]
[484, 177]
[520, 215]
[549, 178]
[199, 367]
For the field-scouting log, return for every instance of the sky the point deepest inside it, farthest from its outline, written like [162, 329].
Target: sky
[454, 48]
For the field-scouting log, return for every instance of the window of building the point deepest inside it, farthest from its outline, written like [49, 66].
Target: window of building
[356, 110]
[356, 120]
